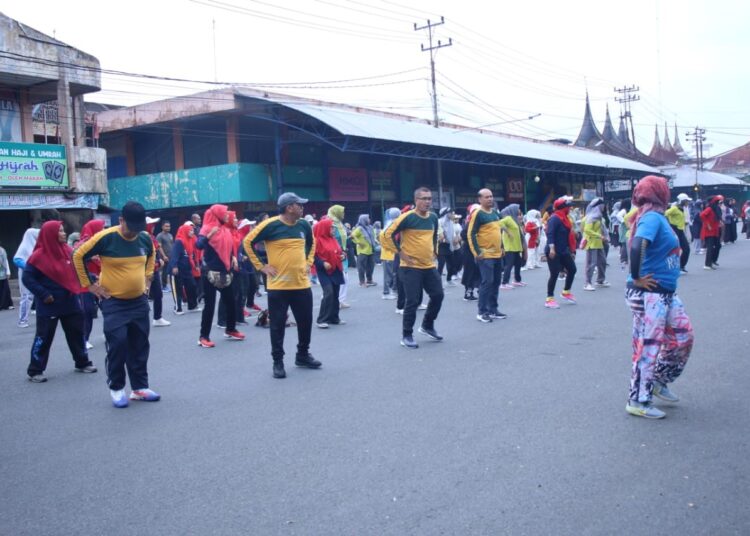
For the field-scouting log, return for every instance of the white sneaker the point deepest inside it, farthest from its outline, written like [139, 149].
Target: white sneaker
[160, 323]
[603, 284]
[89, 346]
[389, 297]
[589, 286]
[322, 325]
[399, 311]
[119, 400]
[422, 307]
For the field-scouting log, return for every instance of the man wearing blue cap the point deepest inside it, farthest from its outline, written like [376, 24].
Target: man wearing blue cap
[290, 248]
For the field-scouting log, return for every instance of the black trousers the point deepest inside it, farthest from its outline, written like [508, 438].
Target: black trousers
[684, 246]
[126, 328]
[156, 294]
[713, 246]
[183, 288]
[512, 260]
[239, 288]
[90, 304]
[301, 303]
[365, 267]
[46, 326]
[329, 304]
[209, 304]
[555, 265]
[252, 288]
[414, 280]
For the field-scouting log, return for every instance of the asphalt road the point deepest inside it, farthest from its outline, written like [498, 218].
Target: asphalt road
[516, 427]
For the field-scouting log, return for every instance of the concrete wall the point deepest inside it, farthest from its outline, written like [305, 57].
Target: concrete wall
[91, 170]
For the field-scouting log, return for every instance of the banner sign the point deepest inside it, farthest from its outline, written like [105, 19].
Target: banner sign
[515, 189]
[33, 165]
[347, 184]
[32, 201]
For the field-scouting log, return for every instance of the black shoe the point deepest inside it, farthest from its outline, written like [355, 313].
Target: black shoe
[497, 315]
[431, 333]
[307, 361]
[278, 369]
[408, 342]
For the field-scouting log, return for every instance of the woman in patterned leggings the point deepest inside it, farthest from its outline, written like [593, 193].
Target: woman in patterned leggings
[662, 333]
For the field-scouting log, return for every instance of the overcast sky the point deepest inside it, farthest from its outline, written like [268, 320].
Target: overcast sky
[507, 62]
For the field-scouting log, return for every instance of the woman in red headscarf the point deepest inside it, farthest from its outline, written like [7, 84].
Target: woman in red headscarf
[90, 302]
[239, 285]
[182, 263]
[219, 260]
[711, 230]
[560, 252]
[51, 278]
[662, 333]
[329, 259]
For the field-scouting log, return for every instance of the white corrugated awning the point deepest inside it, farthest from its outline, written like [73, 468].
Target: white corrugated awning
[684, 177]
[372, 125]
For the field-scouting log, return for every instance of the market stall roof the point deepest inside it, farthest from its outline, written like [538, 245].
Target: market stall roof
[684, 177]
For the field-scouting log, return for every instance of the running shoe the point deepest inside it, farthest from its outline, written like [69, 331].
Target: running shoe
[518, 284]
[205, 343]
[179, 312]
[645, 410]
[389, 297]
[322, 325]
[196, 309]
[234, 335]
[160, 323]
[344, 305]
[89, 346]
[119, 400]
[505, 286]
[422, 306]
[589, 286]
[550, 303]
[38, 378]
[485, 318]
[497, 315]
[88, 369]
[568, 297]
[431, 333]
[603, 284]
[409, 342]
[399, 311]
[146, 395]
[662, 391]
[256, 307]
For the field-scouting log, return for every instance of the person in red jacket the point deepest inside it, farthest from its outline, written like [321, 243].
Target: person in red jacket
[711, 231]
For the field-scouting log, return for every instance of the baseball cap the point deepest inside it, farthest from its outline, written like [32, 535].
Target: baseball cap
[683, 197]
[135, 216]
[289, 198]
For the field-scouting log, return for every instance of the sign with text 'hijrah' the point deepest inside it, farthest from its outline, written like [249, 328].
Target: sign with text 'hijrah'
[33, 165]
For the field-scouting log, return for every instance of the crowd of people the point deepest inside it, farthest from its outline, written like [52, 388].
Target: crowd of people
[117, 271]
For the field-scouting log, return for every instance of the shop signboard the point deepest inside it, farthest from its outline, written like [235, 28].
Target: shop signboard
[33, 165]
[347, 184]
[515, 190]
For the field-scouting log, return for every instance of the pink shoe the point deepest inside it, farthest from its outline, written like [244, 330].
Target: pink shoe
[518, 284]
[506, 287]
[568, 297]
[551, 304]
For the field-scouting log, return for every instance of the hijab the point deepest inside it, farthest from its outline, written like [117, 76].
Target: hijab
[512, 210]
[562, 210]
[594, 210]
[534, 216]
[651, 194]
[222, 242]
[446, 223]
[27, 244]
[327, 248]
[336, 213]
[53, 258]
[391, 215]
[90, 228]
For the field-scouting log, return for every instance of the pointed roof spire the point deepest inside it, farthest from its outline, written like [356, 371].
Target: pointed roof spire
[622, 133]
[589, 135]
[657, 148]
[667, 144]
[677, 146]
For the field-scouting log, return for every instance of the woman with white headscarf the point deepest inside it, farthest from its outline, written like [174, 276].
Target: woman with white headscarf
[595, 234]
[533, 229]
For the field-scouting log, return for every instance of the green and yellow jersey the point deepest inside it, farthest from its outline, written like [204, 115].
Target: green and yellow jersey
[126, 263]
[484, 234]
[418, 238]
[290, 249]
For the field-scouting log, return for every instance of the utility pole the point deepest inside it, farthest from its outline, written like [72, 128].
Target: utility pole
[697, 137]
[436, 121]
[628, 95]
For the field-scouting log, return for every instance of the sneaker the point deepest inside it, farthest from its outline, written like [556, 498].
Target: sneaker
[220, 325]
[307, 361]
[399, 311]
[662, 391]
[179, 312]
[589, 286]
[160, 323]
[278, 369]
[683, 271]
[256, 307]
[644, 410]
[705, 268]
[322, 325]
[197, 309]
[485, 318]
[89, 346]
[422, 307]
[497, 315]
[389, 297]
[38, 378]
[550, 303]
[470, 297]
[205, 343]
[568, 297]
[344, 305]
[338, 323]
[119, 400]
[242, 323]
[603, 284]
[431, 333]
[88, 369]
[409, 342]
[518, 284]
[234, 335]
[23, 324]
[146, 395]
[506, 287]
[371, 284]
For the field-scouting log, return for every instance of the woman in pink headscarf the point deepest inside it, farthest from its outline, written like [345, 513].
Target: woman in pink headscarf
[50, 277]
[662, 333]
[219, 260]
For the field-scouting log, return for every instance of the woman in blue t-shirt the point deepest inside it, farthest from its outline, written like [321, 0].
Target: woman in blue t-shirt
[662, 333]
